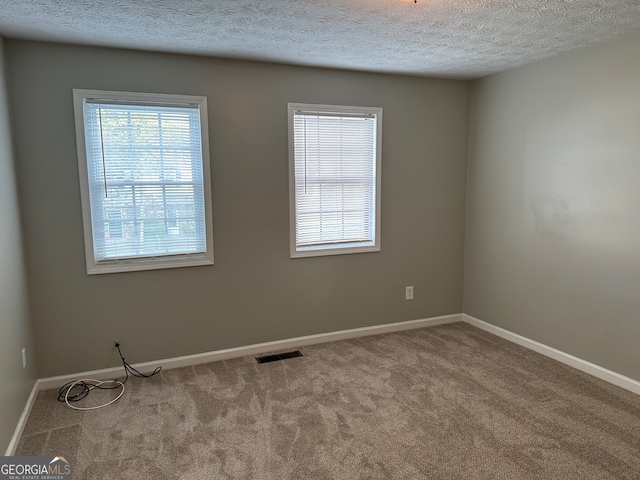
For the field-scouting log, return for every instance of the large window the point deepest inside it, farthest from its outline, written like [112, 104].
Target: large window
[334, 179]
[144, 178]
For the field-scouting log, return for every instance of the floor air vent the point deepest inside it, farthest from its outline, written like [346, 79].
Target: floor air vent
[278, 356]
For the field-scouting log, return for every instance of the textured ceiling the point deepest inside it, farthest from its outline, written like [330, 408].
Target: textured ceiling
[450, 38]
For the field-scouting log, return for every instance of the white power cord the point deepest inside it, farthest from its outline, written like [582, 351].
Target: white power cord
[88, 384]
[89, 387]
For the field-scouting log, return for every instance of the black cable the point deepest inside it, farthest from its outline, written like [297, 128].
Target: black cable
[64, 394]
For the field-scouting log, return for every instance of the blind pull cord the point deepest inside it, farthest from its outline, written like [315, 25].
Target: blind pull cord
[305, 154]
[104, 166]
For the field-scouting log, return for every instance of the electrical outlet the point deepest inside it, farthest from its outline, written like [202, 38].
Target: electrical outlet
[24, 357]
[408, 293]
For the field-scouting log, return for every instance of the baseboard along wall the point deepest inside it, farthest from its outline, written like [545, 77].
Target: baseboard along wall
[298, 342]
[256, 349]
[575, 362]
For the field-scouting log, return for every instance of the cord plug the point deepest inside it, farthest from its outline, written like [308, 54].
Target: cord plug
[116, 344]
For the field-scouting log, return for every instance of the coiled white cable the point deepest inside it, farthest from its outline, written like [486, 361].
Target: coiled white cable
[89, 387]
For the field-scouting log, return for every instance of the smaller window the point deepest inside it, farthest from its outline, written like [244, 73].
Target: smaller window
[144, 180]
[334, 179]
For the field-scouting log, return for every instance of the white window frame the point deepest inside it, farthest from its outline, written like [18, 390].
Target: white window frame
[149, 262]
[333, 248]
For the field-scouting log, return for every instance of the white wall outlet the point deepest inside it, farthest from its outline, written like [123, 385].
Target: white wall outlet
[24, 357]
[408, 293]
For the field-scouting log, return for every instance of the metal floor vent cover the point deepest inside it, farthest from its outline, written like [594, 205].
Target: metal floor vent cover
[279, 356]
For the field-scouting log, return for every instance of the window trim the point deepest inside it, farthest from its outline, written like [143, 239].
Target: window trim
[324, 249]
[150, 262]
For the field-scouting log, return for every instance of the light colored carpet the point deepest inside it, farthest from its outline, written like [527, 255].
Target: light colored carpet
[442, 402]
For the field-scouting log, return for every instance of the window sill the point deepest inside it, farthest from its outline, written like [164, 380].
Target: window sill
[137, 265]
[325, 251]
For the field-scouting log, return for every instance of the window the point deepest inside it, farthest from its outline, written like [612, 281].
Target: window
[144, 180]
[334, 179]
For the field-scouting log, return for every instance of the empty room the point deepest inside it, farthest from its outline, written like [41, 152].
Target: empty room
[325, 239]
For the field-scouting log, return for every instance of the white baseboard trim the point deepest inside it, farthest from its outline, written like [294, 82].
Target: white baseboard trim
[256, 349]
[22, 422]
[575, 362]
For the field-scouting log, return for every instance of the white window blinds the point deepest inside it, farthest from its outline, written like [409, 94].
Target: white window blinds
[336, 164]
[146, 188]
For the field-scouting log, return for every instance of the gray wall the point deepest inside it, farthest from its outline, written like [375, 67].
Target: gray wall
[15, 324]
[254, 292]
[553, 203]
